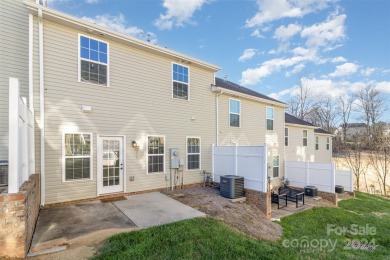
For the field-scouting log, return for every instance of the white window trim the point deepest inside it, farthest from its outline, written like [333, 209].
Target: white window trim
[273, 166]
[147, 155]
[307, 137]
[317, 145]
[288, 139]
[266, 118]
[200, 153]
[327, 143]
[189, 80]
[239, 114]
[63, 157]
[79, 61]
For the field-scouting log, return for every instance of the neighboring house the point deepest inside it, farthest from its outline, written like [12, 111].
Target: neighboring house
[353, 130]
[306, 142]
[109, 108]
[248, 118]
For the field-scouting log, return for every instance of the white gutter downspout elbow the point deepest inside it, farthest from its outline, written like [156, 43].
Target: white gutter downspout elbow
[42, 105]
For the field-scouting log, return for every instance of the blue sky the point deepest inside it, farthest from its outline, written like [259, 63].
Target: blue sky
[335, 47]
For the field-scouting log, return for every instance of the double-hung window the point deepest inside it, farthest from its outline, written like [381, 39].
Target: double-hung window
[327, 143]
[180, 77]
[317, 142]
[93, 61]
[275, 166]
[304, 137]
[270, 118]
[156, 154]
[193, 153]
[286, 136]
[77, 156]
[234, 112]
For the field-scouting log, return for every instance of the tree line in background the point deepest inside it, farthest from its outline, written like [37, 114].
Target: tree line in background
[366, 151]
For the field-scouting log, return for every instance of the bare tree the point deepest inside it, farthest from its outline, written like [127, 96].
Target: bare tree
[380, 161]
[371, 105]
[302, 103]
[354, 160]
[327, 114]
[344, 109]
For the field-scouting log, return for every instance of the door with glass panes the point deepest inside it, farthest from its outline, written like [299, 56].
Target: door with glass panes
[110, 164]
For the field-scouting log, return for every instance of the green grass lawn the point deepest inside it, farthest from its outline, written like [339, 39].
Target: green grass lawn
[206, 238]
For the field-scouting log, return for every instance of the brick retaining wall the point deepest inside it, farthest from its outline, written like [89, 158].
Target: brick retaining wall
[262, 200]
[18, 216]
[329, 196]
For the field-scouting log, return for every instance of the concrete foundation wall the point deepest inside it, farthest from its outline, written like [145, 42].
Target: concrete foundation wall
[18, 216]
[262, 200]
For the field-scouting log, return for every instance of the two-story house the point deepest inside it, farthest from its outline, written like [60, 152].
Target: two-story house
[109, 108]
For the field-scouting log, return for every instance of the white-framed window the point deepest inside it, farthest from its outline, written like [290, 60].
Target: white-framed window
[286, 136]
[275, 160]
[317, 142]
[193, 153]
[93, 61]
[270, 118]
[304, 137]
[156, 154]
[180, 81]
[234, 112]
[77, 156]
[327, 143]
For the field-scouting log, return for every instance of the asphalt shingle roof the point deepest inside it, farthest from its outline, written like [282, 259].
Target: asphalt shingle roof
[235, 87]
[290, 119]
[321, 131]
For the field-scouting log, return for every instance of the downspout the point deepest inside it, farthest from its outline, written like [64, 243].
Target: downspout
[30, 61]
[42, 105]
[217, 116]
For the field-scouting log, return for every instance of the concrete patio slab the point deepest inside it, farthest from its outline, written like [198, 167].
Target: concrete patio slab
[153, 209]
[64, 225]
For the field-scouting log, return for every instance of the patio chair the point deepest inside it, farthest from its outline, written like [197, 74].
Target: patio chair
[278, 198]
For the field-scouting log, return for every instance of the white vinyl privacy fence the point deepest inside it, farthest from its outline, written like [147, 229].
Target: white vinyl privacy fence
[246, 161]
[321, 175]
[21, 139]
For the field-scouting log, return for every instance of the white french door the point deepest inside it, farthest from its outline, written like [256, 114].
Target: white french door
[110, 164]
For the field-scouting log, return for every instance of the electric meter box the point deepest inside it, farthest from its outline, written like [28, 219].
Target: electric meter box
[175, 160]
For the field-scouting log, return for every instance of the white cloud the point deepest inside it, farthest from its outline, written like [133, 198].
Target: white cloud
[383, 86]
[344, 70]
[326, 34]
[92, 1]
[117, 23]
[247, 54]
[272, 10]
[338, 59]
[256, 33]
[298, 68]
[254, 75]
[178, 13]
[367, 71]
[284, 33]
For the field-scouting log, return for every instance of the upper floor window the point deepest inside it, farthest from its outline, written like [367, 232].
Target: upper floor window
[180, 77]
[234, 112]
[270, 118]
[286, 136]
[193, 153]
[93, 61]
[327, 143]
[77, 160]
[304, 137]
[317, 142]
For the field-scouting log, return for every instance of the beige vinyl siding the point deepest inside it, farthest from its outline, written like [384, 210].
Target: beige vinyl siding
[295, 151]
[253, 128]
[14, 60]
[137, 103]
[322, 155]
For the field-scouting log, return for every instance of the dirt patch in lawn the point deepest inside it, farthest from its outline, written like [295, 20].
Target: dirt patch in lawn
[243, 216]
